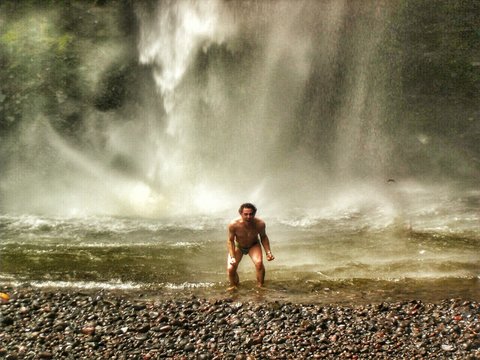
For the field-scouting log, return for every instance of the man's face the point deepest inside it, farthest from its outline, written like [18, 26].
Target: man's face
[247, 215]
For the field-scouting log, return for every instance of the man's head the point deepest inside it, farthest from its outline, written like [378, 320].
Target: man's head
[247, 211]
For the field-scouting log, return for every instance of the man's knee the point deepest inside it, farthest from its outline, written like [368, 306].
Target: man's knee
[259, 266]
[232, 269]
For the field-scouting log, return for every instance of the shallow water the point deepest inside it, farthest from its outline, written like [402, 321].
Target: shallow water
[353, 253]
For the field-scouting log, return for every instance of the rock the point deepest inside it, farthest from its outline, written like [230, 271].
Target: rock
[448, 348]
[141, 337]
[45, 355]
[7, 320]
[257, 340]
[236, 322]
[165, 328]
[153, 314]
[144, 328]
[88, 330]
[23, 310]
[189, 347]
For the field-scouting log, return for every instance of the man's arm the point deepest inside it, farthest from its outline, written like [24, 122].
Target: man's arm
[265, 241]
[231, 243]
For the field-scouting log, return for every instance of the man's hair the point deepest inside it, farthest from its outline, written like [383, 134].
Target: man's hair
[247, 206]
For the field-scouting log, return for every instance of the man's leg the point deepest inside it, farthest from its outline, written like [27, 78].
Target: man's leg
[256, 256]
[232, 269]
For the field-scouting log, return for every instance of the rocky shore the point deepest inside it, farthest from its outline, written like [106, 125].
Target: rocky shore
[60, 324]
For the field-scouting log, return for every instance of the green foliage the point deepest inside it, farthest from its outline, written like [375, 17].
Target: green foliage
[35, 55]
[43, 45]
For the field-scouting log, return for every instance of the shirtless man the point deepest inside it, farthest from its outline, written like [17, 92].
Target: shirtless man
[244, 237]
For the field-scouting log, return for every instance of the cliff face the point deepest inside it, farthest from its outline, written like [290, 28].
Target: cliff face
[438, 49]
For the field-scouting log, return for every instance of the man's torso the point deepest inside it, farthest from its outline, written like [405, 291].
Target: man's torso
[246, 235]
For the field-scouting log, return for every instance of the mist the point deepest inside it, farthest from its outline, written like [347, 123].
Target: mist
[189, 107]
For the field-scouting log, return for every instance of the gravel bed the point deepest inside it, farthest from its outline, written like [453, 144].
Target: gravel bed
[60, 324]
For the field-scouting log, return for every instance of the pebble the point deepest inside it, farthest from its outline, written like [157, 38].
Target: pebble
[59, 324]
[45, 355]
[88, 330]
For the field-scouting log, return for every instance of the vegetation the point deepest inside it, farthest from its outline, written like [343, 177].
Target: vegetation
[46, 57]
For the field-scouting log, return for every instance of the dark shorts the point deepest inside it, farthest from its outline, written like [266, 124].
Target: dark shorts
[244, 250]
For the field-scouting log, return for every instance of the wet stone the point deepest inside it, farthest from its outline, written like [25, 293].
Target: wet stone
[45, 355]
[197, 328]
[448, 348]
[189, 347]
[88, 330]
[6, 320]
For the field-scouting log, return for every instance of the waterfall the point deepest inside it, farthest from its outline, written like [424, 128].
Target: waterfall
[233, 83]
[282, 103]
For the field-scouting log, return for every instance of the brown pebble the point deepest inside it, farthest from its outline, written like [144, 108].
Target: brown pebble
[88, 330]
[165, 328]
[45, 355]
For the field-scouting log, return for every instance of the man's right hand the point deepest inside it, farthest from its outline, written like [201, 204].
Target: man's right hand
[233, 261]
[270, 256]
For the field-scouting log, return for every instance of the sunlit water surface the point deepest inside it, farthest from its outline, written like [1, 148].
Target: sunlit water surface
[355, 253]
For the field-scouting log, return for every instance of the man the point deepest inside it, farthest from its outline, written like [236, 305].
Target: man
[244, 237]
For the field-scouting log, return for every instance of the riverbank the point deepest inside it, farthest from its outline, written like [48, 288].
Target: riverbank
[97, 324]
